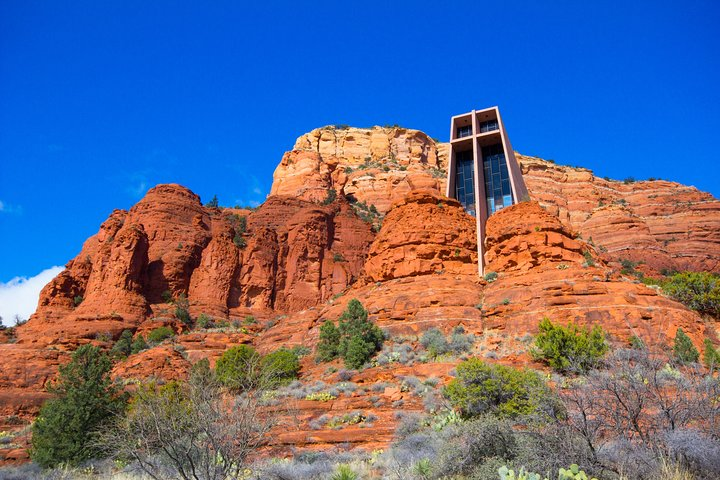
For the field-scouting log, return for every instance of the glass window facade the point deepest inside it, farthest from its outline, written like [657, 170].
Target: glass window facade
[489, 126]
[464, 185]
[465, 131]
[498, 192]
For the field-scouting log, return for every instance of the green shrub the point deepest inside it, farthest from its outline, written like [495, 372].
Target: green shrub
[637, 343]
[238, 368]
[77, 300]
[159, 334]
[503, 391]
[683, 348]
[570, 348]
[711, 355]
[138, 345]
[355, 339]
[697, 290]
[84, 397]
[204, 321]
[434, 342]
[213, 203]
[328, 346]
[280, 367]
[123, 346]
[490, 277]
[331, 196]
[182, 309]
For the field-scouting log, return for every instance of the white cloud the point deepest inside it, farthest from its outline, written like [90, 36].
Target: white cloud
[7, 208]
[20, 295]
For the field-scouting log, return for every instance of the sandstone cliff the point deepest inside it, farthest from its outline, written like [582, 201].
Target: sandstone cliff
[387, 237]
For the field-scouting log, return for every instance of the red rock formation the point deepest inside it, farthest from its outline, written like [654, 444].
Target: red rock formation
[663, 224]
[296, 263]
[411, 244]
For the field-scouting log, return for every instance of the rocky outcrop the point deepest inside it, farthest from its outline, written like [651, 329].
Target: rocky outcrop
[665, 225]
[271, 276]
[376, 165]
[410, 244]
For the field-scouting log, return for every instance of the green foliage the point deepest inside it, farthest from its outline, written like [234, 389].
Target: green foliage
[213, 203]
[711, 355]
[500, 390]
[77, 300]
[697, 290]
[238, 368]
[355, 339]
[683, 348]
[138, 345]
[204, 321]
[167, 296]
[280, 366]
[344, 472]
[570, 348]
[84, 398]
[359, 337]
[331, 196]
[338, 257]
[490, 277]
[589, 260]
[629, 180]
[320, 396]
[637, 343]
[182, 309]
[571, 473]
[327, 347]
[159, 334]
[434, 342]
[123, 347]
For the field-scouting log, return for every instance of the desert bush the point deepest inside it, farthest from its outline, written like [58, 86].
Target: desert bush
[204, 321]
[138, 345]
[159, 334]
[190, 431]
[434, 342]
[481, 388]
[473, 443]
[711, 355]
[123, 346]
[697, 290]
[355, 339]
[570, 348]
[238, 368]
[280, 367]
[628, 412]
[83, 398]
[182, 309]
[683, 348]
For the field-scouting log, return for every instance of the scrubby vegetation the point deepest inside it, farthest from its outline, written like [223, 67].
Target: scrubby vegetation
[697, 290]
[355, 339]
[569, 348]
[157, 335]
[84, 397]
[481, 388]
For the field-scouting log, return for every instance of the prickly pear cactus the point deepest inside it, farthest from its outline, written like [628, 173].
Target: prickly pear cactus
[573, 473]
[508, 474]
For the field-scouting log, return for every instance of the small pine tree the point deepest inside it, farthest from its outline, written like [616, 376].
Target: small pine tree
[84, 397]
[711, 355]
[569, 348]
[327, 347]
[213, 203]
[182, 309]
[683, 349]
[238, 368]
[123, 347]
[138, 345]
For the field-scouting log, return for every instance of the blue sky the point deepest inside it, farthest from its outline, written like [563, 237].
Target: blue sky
[100, 101]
